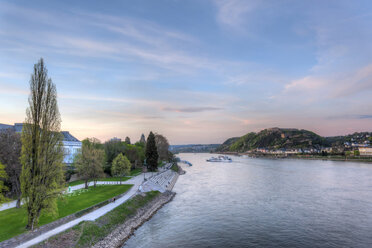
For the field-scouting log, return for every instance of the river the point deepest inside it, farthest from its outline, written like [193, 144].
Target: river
[254, 202]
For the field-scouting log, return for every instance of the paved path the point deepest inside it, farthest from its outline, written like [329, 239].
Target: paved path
[12, 204]
[136, 181]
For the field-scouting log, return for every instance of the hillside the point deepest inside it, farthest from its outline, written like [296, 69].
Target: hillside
[275, 138]
[225, 145]
[193, 148]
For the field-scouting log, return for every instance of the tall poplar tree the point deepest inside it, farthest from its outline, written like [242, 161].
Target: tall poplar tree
[42, 178]
[151, 153]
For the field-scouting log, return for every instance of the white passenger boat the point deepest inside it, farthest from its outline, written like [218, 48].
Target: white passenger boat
[220, 159]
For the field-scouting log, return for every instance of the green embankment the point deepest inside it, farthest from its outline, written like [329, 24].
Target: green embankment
[88, 233]
[14, 220]
[135, 172]
[175, 168]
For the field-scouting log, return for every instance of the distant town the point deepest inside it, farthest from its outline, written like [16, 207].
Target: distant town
[288, 142]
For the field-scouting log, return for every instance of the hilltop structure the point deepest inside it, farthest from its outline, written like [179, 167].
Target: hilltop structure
[71, 144]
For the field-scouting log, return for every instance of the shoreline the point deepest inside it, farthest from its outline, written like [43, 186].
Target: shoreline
[124, 231]
[269, 156]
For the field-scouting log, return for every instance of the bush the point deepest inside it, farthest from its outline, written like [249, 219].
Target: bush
[175, 168]
[68, 174]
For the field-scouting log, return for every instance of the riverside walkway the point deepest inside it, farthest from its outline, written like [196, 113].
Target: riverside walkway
[12, 204]
[136, 181]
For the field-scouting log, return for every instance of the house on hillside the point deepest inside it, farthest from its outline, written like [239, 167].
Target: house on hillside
[71, 145]
[365, 151]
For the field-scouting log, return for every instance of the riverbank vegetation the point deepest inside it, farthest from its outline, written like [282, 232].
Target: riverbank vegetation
[88, 233]
[13, 221]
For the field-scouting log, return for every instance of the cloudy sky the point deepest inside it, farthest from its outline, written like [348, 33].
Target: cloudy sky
[195, 71]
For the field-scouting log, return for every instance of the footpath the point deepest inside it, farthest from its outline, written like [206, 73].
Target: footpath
[137, 182]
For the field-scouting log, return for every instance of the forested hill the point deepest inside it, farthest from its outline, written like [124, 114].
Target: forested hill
[193, 148]
[275, 138]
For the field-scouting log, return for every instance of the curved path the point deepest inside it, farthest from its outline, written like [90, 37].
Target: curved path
[136, 181]
[12, 204]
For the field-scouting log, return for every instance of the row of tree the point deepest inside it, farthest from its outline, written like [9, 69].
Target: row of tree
[117, 158]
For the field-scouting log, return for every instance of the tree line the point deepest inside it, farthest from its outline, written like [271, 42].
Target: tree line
[31, 163]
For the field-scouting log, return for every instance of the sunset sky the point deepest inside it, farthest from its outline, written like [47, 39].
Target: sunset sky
[194, 71]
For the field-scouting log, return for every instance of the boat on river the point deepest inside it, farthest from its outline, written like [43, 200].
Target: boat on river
[220, 158]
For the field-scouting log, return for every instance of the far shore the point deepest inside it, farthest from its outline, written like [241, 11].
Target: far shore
[308, 157]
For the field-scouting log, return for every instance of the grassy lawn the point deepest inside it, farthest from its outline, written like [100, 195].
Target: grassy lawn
[135, 172]
[88, 233]
[106, 179]
[161, 163]
[175, 168]
[13, 221]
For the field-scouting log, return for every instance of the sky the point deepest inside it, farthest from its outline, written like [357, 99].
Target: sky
[195, 71]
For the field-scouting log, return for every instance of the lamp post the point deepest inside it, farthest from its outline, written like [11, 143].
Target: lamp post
[144, 170]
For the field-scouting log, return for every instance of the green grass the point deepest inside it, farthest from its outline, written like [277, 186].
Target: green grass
[88, 233]
[13, 221]
[175, 167]
[92, 232]
[116, 179]
[74, 183]
[161, 163]
[135, 172]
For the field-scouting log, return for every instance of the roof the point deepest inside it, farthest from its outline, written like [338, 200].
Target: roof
[17, 127]
[5, 126]
[68, 137]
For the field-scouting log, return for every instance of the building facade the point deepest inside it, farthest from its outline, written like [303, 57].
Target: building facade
[71, 145]
[365, 151]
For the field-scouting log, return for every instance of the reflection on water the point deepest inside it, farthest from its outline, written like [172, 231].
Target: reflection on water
[264, 203]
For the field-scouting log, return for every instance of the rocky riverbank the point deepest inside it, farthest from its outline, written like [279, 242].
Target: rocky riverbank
[125, 230]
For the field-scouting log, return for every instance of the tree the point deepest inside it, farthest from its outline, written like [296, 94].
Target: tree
[42, 179]
[93, 142]
[121, 166]
[142, 139]
[112, 149]
[163, 147]
[135, 154]
[3, 177]
[151, 153]
[89, 162]
[127, 140]
[10, 152]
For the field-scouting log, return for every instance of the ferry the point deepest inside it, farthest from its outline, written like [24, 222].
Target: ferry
[220, 158]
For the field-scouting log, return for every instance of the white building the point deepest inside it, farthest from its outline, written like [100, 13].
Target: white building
[365, 151]
[71, 144]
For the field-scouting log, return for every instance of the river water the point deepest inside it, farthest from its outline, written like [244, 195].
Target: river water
[255, 202]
